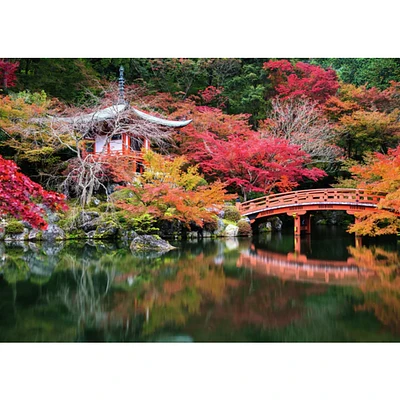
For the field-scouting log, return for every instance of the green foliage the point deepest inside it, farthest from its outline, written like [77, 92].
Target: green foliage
[14, 227]
[246, 92]
[67, 79]
[38, 98]
[373, 72]
[143, 224]
[231, 213]
[27, 139]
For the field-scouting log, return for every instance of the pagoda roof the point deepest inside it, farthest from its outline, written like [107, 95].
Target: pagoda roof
[160, 121]
[113, 111]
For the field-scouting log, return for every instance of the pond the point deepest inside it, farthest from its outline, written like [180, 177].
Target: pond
[232, 290]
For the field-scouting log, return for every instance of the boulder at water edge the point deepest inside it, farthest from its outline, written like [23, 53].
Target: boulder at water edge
[143, 243]
[52, 233]
[231, 230]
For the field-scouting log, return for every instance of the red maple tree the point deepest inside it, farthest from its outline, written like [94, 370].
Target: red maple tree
[18, 195]
[302, 80]
[252, 164]
[7, 73]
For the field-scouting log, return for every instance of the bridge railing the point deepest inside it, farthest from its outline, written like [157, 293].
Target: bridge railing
[311, 196]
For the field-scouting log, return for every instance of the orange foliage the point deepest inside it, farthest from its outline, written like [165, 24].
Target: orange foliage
[335, 107]
[169, 192]
[369, 99]
[380, 174]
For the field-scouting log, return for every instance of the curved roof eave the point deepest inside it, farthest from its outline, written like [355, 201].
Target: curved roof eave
[160, 121]
[113, 111]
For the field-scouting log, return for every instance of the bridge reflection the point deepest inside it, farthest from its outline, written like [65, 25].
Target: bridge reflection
[294, 266]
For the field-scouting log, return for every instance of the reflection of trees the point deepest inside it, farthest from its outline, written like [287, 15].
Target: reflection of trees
[165, 296]
[262, 303]
[76, 281]
[25, 313]
[187, 286]
[172, 301]
[85, 298]
[165, 292]
[382, 291]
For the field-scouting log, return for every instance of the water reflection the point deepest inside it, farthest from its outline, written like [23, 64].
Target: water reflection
[382, 289]
[299, 267]
[211, 290]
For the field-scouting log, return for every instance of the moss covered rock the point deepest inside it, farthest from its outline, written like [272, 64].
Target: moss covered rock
[14, 228]
[106, 230]
[146, 243]
[52, 233]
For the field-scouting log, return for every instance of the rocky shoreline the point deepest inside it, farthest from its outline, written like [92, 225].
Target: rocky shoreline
[95, 225]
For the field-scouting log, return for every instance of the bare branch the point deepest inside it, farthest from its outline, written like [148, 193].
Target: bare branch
[301, 123]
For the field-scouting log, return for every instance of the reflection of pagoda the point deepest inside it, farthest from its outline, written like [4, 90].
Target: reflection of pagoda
[298, 267]
[109, 131]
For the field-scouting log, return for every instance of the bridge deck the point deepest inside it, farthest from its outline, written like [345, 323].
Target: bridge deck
[350, 200]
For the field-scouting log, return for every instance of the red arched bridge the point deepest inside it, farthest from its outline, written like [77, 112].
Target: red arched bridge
[300, 202]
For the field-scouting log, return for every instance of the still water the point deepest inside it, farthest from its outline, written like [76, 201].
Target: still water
[240, 290]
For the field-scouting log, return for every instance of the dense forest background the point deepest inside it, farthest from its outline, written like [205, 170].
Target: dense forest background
[244, 81]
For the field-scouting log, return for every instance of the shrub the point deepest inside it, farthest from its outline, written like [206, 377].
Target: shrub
[244, 228]
[143, 224]
[211, 226]
[14, 227]
[231, 213]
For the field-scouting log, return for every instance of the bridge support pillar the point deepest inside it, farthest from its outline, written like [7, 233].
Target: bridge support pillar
[306, 223]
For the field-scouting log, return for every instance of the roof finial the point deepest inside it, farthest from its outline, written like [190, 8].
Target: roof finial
[121, 82]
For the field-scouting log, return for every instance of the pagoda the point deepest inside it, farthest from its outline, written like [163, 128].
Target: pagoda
[108, 132]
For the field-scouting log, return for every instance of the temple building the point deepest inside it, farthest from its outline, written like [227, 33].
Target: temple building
[111, 131]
